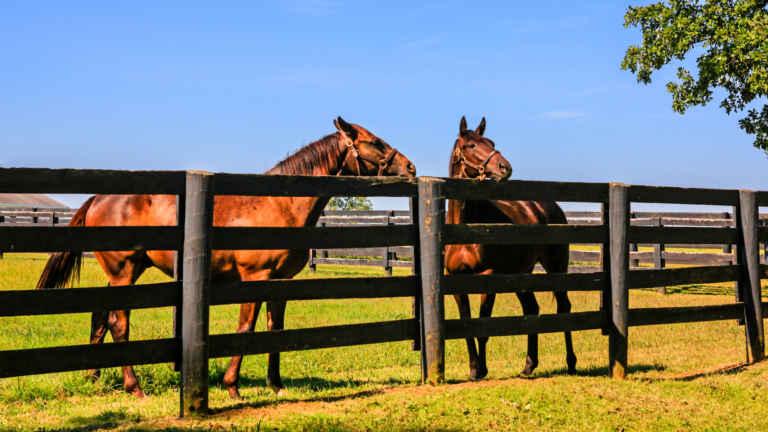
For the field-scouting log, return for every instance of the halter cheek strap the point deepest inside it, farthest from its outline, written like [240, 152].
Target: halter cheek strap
[382, 163]
[460, 158]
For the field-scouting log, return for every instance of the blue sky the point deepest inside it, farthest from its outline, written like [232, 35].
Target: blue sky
[235, 86]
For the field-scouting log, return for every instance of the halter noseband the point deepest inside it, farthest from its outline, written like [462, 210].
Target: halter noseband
[382, 163]
[465, 163]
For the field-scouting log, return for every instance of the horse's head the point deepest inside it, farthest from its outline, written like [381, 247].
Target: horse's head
[369, 155]
[475, 156]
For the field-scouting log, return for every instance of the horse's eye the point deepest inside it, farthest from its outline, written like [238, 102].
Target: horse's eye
[471, 144]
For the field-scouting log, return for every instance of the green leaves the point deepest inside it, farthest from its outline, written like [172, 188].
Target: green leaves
[733, 35]
[350, 203]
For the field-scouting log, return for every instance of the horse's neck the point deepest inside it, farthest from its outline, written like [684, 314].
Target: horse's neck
[306, 211]
[459, 212]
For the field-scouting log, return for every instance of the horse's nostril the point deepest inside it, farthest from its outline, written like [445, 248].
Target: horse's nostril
[502, 167]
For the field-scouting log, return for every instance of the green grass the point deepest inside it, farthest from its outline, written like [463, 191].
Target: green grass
[682, 377]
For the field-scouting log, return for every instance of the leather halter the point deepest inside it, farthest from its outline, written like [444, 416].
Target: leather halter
[382, 163]
[465, 163]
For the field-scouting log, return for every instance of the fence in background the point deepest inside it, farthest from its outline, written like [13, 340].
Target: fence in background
[588, 260]
[194, 238]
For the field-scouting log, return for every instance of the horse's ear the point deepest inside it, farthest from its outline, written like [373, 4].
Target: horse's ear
[462, 125]
[481, 129]
[346, 128]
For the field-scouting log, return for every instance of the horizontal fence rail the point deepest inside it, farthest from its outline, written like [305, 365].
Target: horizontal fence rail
[313, 186]
[80, 300]
[315, 338]
[73, 181]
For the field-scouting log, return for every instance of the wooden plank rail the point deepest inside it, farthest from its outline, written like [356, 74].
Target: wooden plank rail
[313, 289]
[523, 234]
[228, 238]
[465, 189]
[500, 283]
[38, 361]
[73, 181]
[683, 276]
[689, 314]
[360, 262]
[228, 345]
[683, 235]
[523, 325]
[89, 239]
[313, 186]
[673, 195]
[81, 300]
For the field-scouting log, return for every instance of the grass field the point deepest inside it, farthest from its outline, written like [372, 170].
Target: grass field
[682, 377]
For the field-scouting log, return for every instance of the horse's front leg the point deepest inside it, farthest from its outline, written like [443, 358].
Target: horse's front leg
[119, 325]
[465, 312]
[486, 309]
[530, 307]
[245, 324]
[99, 321]
[564, 306]
[275, 321]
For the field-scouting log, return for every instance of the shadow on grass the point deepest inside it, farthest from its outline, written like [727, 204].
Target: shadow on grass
[723, 370]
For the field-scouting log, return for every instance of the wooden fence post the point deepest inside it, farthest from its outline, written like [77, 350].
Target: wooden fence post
[198, 224]
[385, 251]
[178, 272]
[735, 250]
[431, 222]
[605, 266]
[633, 248]
[658, 256]
[619, 237]
[749, 257]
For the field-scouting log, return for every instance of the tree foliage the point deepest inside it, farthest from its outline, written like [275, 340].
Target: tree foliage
[733, 38]
[349, 203]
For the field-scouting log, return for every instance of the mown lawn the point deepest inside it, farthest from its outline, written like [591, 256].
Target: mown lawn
[682, 377]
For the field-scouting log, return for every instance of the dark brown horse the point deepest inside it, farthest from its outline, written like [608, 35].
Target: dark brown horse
[352, 151]
[475, 156]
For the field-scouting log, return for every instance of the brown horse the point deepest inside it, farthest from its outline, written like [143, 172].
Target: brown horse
[352, 151]
[475, 156]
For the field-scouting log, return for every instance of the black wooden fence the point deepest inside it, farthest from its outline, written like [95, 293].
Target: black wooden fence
[194, 237]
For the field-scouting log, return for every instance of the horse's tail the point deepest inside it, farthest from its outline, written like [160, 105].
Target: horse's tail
[63, 268]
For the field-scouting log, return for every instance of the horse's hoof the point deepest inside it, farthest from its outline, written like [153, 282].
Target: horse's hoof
[138, 394]
[571, 371]
[526, 372]
[93, 375]
[478, 374]
[234, 394]
[278, 390]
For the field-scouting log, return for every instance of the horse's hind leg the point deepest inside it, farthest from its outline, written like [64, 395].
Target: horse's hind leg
[124, 269]
[245, 324]
[564, 306]
[119, 325]
[530, 307]
[555, 260]
[462, 301]
[275, 321]
[486, 309]
[98, 332]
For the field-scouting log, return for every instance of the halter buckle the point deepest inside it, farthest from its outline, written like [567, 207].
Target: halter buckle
[382, 163]
[348, 142]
